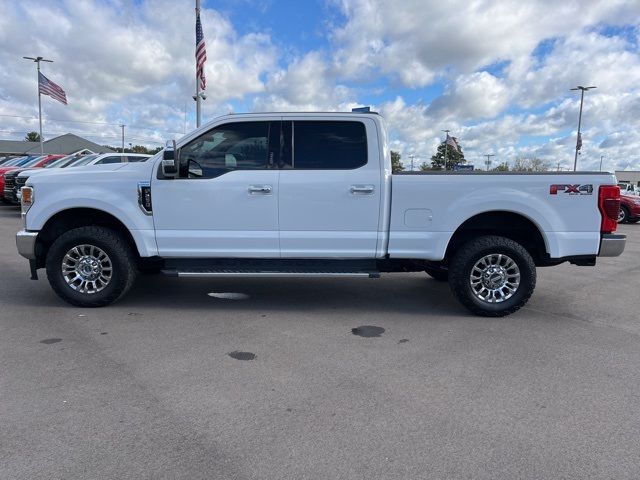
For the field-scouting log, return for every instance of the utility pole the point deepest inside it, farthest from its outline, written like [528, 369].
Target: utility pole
[601, 157]
[488, 160]
[38, 60]
[579, 139]
[446, 145]
[122, 127]
[412, 156]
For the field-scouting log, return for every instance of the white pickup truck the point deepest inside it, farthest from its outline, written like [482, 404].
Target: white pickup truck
[309, 194]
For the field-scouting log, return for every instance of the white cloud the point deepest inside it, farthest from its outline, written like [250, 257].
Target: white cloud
[419, 39]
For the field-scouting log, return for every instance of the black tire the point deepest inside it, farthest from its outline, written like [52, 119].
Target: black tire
[438, 273]
[633, 220]
[624, 214]
[466, 257]
[120, 254]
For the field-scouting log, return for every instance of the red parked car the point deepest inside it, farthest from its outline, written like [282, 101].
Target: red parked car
[35, 162]
[629, 209]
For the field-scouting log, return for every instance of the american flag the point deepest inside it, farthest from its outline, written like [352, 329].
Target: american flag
[47, 87]
[201, 54]
[453, 143]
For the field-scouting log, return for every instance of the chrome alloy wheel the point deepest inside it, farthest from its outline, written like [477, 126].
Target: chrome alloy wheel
[622, 215]
[87, 269]
[495, 278]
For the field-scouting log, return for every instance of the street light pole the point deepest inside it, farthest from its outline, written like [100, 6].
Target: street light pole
[37, 60]
[578, 139]
[122, 127]
[601, 157]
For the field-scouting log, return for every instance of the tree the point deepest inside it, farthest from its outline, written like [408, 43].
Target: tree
[503, 167]
[453, 157]
[424, 167]
[32, 137]
[523, 164]
[396, 165]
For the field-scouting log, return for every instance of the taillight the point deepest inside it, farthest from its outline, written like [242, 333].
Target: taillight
[609, 205]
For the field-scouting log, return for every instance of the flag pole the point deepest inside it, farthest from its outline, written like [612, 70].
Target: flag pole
[197, 78]
[37, 60]
[446, 148]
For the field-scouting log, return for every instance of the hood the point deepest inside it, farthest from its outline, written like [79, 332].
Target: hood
[89, 174]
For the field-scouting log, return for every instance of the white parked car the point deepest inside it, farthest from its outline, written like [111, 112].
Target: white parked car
[310, 194]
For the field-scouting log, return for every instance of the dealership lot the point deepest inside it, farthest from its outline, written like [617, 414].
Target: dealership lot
[256, 379]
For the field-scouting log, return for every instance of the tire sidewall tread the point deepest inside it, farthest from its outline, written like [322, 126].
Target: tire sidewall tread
[109, 240]
[465, 258]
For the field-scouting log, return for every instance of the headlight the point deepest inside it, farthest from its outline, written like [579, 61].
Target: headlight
[26, 198]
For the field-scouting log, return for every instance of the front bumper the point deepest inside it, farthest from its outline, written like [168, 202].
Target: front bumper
[26, 243]
[612, 244]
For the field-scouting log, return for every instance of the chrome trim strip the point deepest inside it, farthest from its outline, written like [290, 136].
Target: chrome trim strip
[274, 274]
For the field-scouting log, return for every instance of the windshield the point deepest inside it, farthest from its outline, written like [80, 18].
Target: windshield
[30, 163]
[84, 160]
[24, 161]
[12, 162]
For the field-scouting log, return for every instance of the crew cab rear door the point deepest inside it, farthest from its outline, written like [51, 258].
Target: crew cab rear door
[330, 188]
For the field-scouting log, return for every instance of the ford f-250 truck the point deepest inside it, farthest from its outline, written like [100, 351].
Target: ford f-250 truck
[310, 194]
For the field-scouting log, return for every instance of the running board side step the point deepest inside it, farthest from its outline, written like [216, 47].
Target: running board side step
[226, 274]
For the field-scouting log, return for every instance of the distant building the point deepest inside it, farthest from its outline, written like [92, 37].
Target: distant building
[64, 144]
[630, 176]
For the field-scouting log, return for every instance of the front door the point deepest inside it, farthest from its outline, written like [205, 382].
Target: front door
[226, 205]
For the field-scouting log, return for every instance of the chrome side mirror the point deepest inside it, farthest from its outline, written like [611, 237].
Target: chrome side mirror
[169, 160]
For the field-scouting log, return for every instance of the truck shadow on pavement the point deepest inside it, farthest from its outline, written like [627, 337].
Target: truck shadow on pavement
[412, 294]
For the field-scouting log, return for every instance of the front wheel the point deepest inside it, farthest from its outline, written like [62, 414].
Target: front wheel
[492, 276]
[91, 266]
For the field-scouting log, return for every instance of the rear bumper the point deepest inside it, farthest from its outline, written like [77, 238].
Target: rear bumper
[26, 243]
[612, 244]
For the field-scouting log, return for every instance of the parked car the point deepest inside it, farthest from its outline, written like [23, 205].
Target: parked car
[9, 190]
[629, 209]
[80, 161]
[628, 188]
[13, 164]
[235, 198]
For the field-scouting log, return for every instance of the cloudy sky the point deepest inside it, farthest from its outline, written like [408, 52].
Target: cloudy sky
[497, 73]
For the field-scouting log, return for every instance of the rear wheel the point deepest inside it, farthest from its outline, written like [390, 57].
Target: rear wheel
[91, 266]
[492, 276]
[623, 215]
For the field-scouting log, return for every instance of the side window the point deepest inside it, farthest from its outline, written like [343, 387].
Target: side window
[329, 145]
[131, 158]
[112, 159]
[233, 146]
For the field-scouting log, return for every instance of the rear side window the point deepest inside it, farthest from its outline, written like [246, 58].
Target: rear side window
[327, 145]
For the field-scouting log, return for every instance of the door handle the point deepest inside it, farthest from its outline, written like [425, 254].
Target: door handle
[259, 189]
[361, 189]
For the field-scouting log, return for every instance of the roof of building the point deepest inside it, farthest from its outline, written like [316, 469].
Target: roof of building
[64, 144]
[16, 147]
[69, 143]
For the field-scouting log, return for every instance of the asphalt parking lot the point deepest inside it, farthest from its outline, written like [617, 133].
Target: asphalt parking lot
[172, 382]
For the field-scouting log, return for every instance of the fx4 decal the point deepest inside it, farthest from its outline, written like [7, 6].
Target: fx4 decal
[571, 189]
